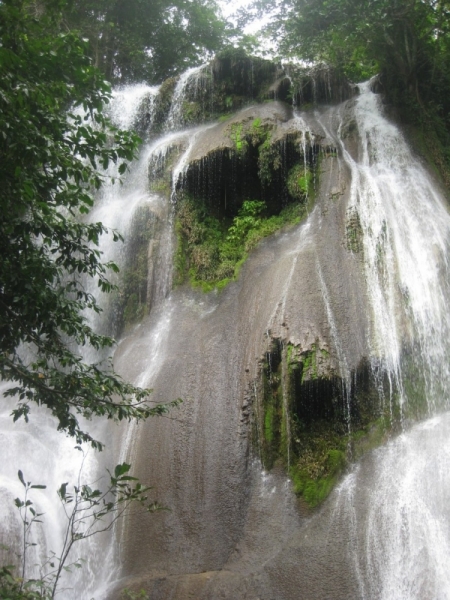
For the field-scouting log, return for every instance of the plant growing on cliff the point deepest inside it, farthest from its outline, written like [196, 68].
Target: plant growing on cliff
[49, 161]
[213, 250]
[299, 181]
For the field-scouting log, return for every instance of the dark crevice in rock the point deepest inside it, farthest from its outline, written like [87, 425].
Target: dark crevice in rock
[314, 422]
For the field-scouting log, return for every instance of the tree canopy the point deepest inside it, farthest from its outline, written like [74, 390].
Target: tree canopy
[408, 41]
[50, 158]
[146, 39]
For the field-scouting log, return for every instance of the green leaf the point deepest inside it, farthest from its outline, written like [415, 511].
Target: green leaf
[20, 476]
[62, 491]
[121, 469]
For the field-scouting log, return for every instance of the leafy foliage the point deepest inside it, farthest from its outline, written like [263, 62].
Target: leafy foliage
[53, 139]
[408, 41]
[89, 511]
[213, 250]
[11, 588]
[133, 39]
[405, 42]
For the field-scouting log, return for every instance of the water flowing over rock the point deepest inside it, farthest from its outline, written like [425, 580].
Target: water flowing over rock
[292, 468]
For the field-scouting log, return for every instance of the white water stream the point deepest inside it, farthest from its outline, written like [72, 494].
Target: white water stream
[46, 456]
[406, 235]
[396, 503]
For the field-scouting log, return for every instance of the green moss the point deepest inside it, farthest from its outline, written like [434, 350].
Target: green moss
[268, 424]
[315, 490]
[238, 137]
[299, 182]
[132, 297]
[370, 437]
[309, 362]
[304, 410]
[160, 172]
[163, 102]
[134, 310]
[161, 186]
[415, 388]
[354, 234]
[210, 251]
[192, 112]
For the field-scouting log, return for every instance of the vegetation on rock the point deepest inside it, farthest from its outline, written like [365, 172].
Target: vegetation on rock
[407, 44]
[211, 250]
[315, 424]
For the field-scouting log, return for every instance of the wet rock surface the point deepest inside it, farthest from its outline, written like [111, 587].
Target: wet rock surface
[223, 536]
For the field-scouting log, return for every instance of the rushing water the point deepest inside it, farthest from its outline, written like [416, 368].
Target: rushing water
[396, 502]
[45, 456]
[404, 544]
[406, 233]
[235, 531]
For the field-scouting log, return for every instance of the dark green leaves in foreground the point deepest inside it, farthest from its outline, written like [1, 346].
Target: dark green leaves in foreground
[53, 140]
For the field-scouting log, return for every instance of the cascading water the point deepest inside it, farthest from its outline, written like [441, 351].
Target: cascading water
[192, 79]
[402, 530]
[44, 455]
[400, 538]
[233, 530]
[406, 234]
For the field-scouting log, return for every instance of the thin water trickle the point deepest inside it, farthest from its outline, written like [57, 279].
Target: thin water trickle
[307, 142]
[344, 370]
[405, 228]
[37, 448]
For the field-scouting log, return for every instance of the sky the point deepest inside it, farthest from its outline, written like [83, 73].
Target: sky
[231, 6]
[228, 8]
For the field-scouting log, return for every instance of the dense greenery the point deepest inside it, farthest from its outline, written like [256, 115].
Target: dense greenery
[405, 42]
[211, 250]
[311, 423]
[49, 170]
[146, 40]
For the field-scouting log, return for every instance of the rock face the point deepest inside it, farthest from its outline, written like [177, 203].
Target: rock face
[274, 367]
[269, 351]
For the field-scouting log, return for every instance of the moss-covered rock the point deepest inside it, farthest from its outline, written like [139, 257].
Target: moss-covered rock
[162, 104]
[211, 249]
[234, 80]
[315, 423]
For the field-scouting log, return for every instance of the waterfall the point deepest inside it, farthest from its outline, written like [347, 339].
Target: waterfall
[394, 504]
[191, 78]
[406, 233]
[37, 448]
[128, 102]
[364, 279]
[401, 520]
